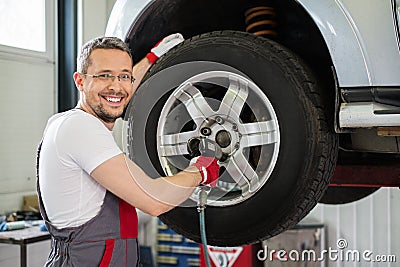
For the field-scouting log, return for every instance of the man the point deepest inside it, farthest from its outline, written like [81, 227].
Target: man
[88, 189]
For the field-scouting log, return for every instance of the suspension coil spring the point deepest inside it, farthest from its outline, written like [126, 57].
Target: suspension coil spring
[261, 21]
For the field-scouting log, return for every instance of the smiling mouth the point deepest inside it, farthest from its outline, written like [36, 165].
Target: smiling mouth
[113, 99]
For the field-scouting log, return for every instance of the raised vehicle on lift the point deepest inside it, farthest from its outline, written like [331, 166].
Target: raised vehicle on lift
[299, 96]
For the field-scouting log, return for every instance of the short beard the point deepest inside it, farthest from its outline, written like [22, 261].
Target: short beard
[104, 115]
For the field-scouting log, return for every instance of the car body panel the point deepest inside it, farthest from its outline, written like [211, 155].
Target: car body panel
[397, 17]
[124, 14]
[360, 34]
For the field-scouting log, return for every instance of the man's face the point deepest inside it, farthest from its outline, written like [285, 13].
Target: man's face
[106, 99]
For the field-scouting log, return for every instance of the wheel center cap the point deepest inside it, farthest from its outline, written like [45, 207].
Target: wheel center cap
[223, 138]
[223, 131]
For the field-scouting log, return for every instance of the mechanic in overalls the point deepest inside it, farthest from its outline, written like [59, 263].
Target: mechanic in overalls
[88, 189]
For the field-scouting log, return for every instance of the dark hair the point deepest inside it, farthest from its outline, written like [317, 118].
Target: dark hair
[83, 60]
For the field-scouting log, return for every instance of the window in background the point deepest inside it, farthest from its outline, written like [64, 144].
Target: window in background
[23, 24]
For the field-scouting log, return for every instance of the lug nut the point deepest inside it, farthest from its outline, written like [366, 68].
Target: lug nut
[219, 120]
[205, 131]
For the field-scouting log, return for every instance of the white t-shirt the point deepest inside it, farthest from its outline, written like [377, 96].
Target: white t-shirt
[74, 144]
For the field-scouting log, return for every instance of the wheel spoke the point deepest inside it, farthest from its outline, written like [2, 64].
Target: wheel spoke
[234, 99]
[259, 133]
[175, 144]
[196, 105]
[243, 174]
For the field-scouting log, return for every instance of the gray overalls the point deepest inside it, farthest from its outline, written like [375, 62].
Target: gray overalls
[108, 239]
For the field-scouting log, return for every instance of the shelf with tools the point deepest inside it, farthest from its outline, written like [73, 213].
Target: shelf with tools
[175, 250]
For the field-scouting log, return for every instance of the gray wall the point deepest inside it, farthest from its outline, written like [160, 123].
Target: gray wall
[370, 224]
[94, 16]
[26, 103]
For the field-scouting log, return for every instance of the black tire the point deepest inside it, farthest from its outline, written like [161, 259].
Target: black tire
[344, 194]
[307, 152]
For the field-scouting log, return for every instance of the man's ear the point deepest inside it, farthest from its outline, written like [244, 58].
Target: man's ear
[78, 81]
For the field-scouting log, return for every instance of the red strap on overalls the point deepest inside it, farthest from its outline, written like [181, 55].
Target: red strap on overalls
[128, 220]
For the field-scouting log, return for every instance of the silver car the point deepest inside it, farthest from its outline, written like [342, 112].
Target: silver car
[299, 97]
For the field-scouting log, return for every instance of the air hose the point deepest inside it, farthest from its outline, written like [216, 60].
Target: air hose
[201, 206]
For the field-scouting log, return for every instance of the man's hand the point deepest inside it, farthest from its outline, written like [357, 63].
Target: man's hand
[208, 168]
[164, 46]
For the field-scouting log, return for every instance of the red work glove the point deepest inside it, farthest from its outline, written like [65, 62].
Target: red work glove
[164, 46]
[208, 168]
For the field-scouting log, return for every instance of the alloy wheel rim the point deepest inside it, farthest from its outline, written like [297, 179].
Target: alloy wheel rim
[235, 114]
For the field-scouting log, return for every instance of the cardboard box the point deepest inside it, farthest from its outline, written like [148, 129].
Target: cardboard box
[30, 203]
